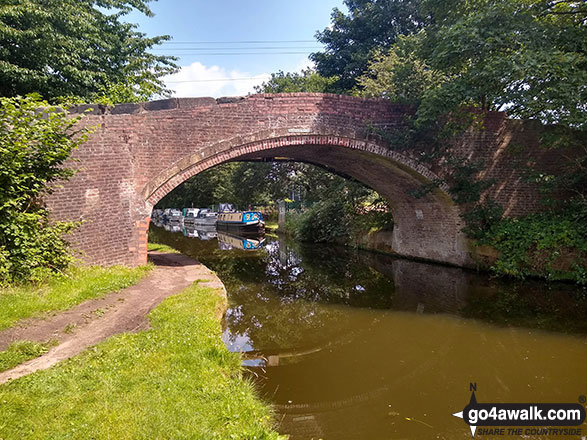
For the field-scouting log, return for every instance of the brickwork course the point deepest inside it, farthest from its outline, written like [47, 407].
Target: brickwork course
[140, 152]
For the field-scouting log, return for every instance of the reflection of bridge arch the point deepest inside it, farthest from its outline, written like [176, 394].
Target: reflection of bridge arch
[143, 151]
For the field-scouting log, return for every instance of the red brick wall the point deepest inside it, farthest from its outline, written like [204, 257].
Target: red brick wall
[140, 152]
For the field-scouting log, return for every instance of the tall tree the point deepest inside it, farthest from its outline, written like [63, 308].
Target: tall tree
[352, 39]
[78, 50]
[527, 57]
[400, 74]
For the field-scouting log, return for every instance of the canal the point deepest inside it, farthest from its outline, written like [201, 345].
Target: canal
[355, 345]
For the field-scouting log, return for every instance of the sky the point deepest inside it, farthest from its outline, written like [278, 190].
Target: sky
[244, 41]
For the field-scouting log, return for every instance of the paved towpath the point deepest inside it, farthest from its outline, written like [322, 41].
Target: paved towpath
[95, 320]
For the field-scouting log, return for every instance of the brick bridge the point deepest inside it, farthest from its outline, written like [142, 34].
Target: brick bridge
[140, 152]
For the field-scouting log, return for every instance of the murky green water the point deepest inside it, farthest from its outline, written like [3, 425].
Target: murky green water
[354, 345]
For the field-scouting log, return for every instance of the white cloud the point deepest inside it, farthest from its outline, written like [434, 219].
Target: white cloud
[198, 80]
[304, 64]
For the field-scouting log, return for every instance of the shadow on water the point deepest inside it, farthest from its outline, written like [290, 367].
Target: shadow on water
[350, 344]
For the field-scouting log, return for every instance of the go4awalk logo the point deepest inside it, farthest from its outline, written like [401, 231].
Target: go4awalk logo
[509, 418]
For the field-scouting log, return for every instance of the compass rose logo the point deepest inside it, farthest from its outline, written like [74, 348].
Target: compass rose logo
[472, 402]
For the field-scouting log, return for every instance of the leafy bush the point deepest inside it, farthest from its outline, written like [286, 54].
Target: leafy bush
[551, 244]
[335, 220]
[324, 221]
[35, 140]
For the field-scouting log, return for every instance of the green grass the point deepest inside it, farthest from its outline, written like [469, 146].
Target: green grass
[80, 284]
[161, 248]
[21, 351]
[272, 225]
[175, 381]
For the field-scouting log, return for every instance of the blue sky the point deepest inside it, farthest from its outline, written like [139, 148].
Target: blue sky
[211, 27]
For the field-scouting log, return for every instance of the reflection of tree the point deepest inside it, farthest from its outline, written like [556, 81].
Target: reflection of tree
[281, 292]
[532, 304]
[336, 275]
[282, 303]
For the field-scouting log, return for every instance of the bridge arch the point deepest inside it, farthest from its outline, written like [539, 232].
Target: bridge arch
[427, 228]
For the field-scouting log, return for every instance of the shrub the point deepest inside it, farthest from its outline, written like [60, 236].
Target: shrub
[335, 221]
[551, 244]
[35, 140]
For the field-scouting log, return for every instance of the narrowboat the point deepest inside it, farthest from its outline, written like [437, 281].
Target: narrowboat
[205, 217]
[157, 214]
[250, 222]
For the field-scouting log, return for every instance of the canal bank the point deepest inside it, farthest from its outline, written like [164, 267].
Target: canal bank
[352, 344]
[172, 379]
[547, 245]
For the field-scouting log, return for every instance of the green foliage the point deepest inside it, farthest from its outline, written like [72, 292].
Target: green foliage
[569, 152]
[399, 74]
[34, 248]
[340, 215]
[238, 183]
[35, 141]
[21, 351]
[523, 56]
[325, 221]
[307, 81]
[352, 39]
[481, 217]
[176, 380]
[62, 292]
[526, 57]
[551, 244]
[78, 50]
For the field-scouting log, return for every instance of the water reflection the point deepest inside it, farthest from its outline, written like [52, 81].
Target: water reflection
[203, 232]
[359, 345]
[228, 241]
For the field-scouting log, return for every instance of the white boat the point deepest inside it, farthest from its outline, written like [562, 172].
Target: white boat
[205, 217]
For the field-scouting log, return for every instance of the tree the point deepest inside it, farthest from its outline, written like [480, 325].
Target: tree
[528, 57]
[78, 50]
[353, 39]
[238, 183]
[400, 75]
[307, 81]
[34, 144]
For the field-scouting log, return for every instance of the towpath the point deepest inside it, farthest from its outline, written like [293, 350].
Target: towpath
[95, 320]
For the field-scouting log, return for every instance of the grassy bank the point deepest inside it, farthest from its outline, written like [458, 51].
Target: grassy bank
[64, 292]
[335, 222]
[175, 381]
[21, 351]
[161, 248]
